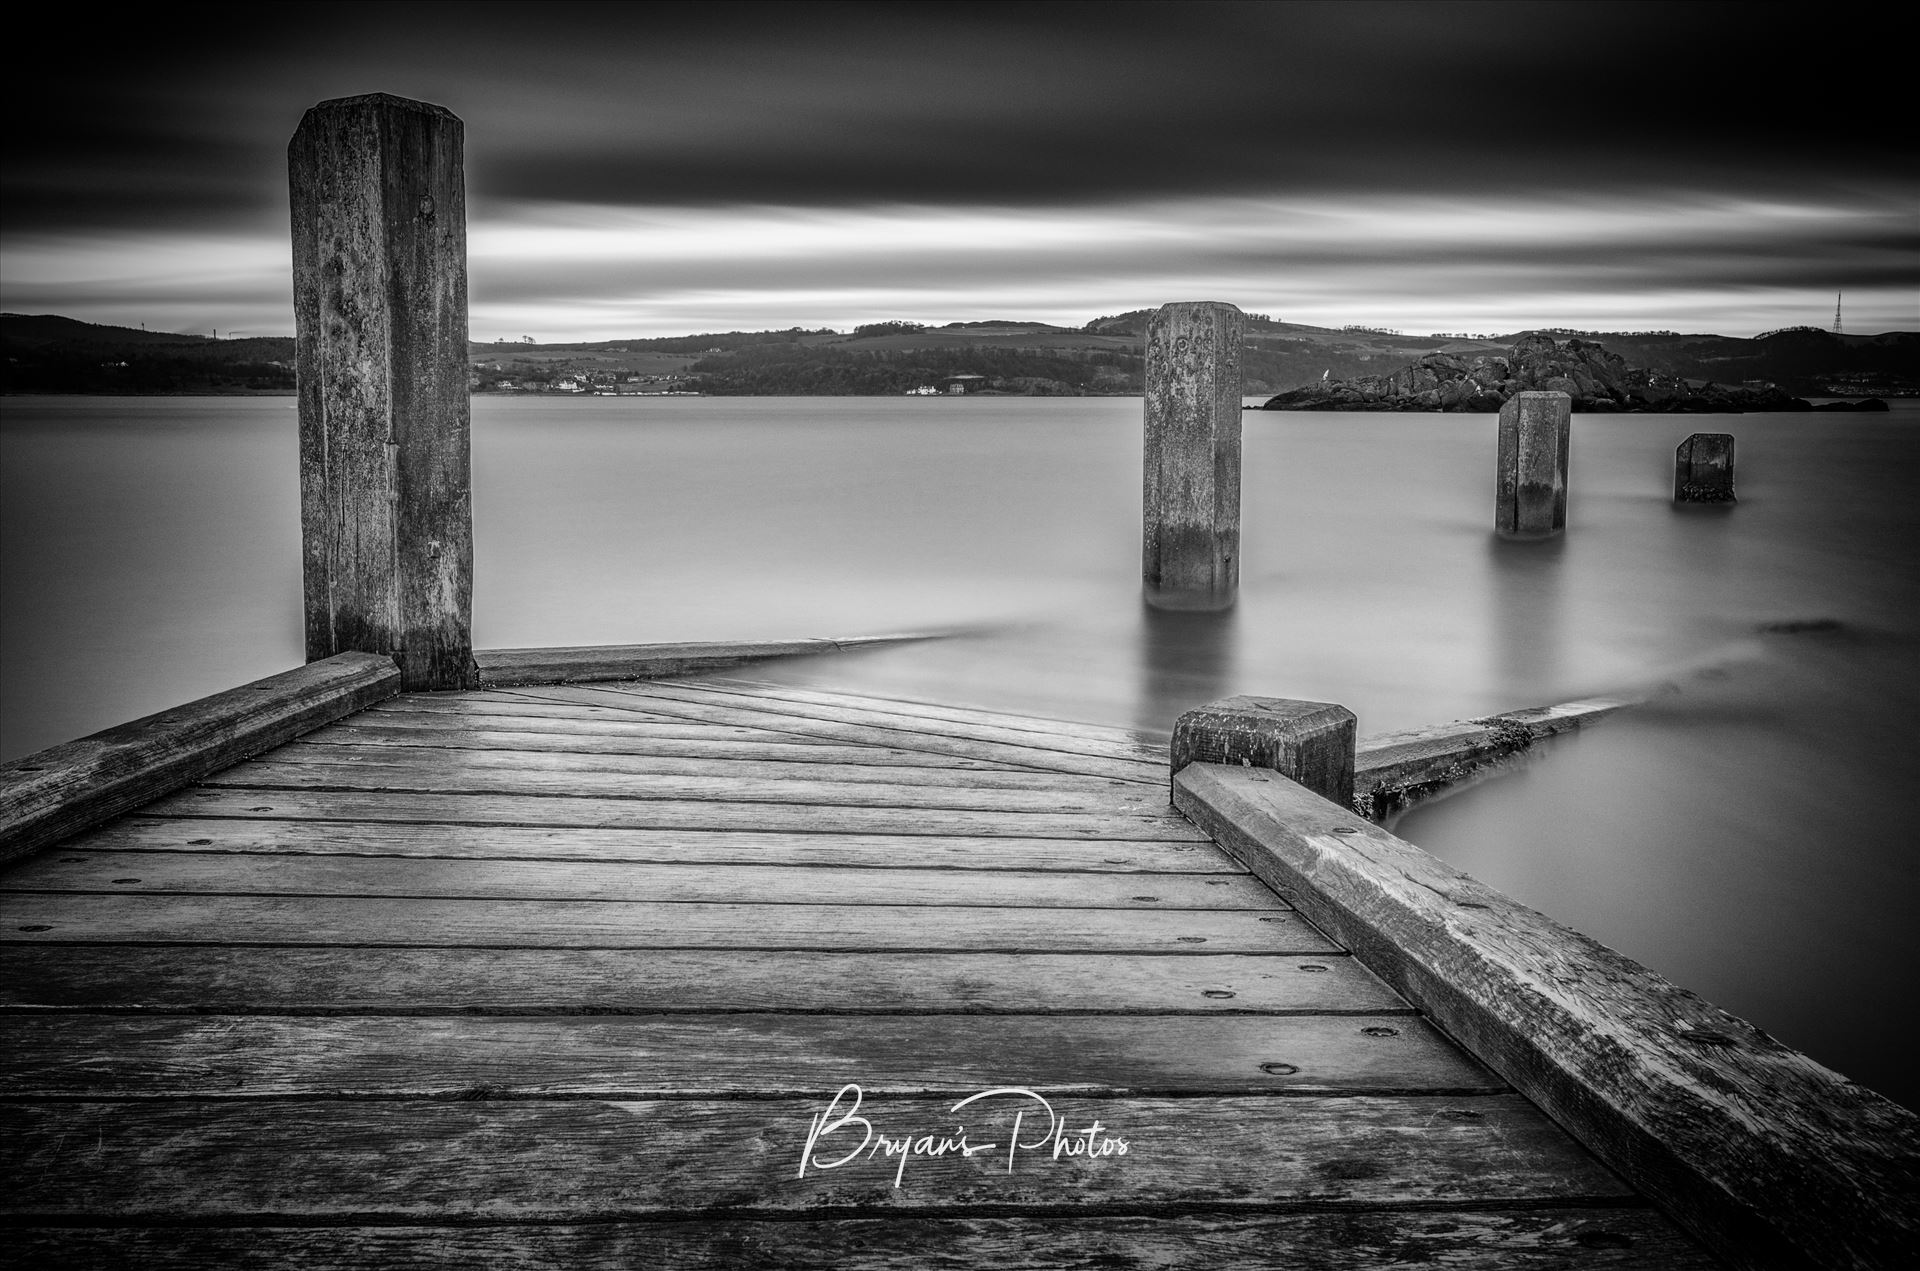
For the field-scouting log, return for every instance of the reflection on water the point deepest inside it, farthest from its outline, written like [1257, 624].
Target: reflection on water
[1186, 658]
[1748, 837]
[1524, 584]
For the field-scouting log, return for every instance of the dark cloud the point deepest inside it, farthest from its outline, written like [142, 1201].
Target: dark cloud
[181, 116]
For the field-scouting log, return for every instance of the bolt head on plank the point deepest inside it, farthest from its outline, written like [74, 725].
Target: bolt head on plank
[1310, 742]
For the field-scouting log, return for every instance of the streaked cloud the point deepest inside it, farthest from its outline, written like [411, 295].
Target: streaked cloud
[651, 171]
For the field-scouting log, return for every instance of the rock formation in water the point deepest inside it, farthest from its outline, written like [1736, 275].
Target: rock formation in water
[1595, 379]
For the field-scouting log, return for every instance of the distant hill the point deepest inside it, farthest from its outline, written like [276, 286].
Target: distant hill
[50, 354]
[1037, 358]
[46, 353]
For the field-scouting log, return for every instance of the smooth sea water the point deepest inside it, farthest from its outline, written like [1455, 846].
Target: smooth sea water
[1750, 836]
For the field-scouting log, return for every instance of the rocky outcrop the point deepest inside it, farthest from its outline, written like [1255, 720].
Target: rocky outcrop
[1595, 379]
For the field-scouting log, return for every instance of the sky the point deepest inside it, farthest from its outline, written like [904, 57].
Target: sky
[661, 170]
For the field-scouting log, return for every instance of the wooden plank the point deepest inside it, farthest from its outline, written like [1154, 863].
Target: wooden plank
[1549, 1239]
[434, 718]
[660, 814]
[436, 773]
[1130, 768]
[378, 193]
[1769, 1158]
[695, 1056]
[194, 979]
[55, 792]
[744, 770]
[505, 1160]
[583, 663]
[495, 704]
[66, 918]
[1067, 739]
[627, 716]
[765, 690]
[720, 847]
[359, 731]
[147, 873]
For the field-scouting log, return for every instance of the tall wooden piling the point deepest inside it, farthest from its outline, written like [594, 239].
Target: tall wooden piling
[1530, 486]
[1190, 557]
[1703, 469]
[380, 309]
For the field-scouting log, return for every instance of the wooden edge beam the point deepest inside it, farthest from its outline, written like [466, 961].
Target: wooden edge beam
[63, 789]
[1766, 1156]
[1394, 772]
[582, 664]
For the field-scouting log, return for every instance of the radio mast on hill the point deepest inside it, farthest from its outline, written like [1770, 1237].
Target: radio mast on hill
[1836, 312]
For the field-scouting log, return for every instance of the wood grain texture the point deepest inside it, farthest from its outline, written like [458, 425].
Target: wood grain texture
[747, 761]
[146, 873]
[585, 663]
[59, 791]
[665, 814]
[1703, 469]
[584, 1160]
[435, 717]
[865, 724]
[1530, 478]
[378, 194]
[681, 1056]
[1129, 737]
[1770, 1158]
[1311, 742]
[222, 835]
[446, 772]
[317, 981]
[1190, 549]
[675, 753]
[1551, 1239]
[839, 708]
[85, 918]
[604, 704]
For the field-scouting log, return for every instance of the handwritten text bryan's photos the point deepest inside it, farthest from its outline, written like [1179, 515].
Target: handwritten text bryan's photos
[1009, 1120]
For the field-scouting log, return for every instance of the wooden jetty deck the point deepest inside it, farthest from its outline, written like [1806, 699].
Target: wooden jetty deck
[562, 976]
[550, 962]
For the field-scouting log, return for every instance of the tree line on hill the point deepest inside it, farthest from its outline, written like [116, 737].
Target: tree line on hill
[46, 354]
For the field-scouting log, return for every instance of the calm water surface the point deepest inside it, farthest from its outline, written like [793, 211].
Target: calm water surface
[1749, 836]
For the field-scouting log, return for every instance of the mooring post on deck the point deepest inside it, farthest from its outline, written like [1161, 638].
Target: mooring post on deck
[1703, 469]
[1310, 742]
[1190, 555]
[380, 310]
[1530, 487]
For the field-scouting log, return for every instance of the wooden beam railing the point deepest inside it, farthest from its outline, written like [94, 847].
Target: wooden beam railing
[1771, 1159]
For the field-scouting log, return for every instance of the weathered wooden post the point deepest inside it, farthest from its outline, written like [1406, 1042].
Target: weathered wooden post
[1530, 486]
[380, 310]
[1190, 555]
[1703, 469]
[1311, 742]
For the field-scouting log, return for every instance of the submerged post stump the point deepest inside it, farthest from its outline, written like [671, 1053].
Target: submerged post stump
[1530, 486]
[1190, 556]
[1310, 742]
[380, 311]
[1703, 469]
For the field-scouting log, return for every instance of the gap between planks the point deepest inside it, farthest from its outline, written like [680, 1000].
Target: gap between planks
[239, 835]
